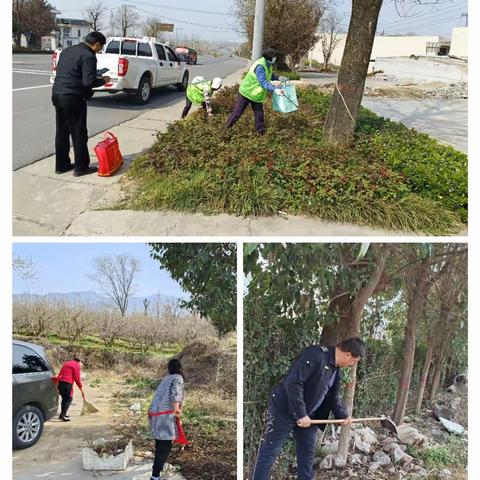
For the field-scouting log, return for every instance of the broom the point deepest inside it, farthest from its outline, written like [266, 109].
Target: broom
[88, 408]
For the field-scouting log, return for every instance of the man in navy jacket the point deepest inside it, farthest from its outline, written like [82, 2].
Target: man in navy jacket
[75, 79]
[308, 391]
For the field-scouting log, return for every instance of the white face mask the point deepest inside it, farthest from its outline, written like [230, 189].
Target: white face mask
[274, 59]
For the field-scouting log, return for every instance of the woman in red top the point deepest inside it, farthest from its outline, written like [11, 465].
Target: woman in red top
[68, 375]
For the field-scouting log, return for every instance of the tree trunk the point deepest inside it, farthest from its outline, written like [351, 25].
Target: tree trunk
[423, 378]
[418, 284]
[436, 378]
[347, 97]
[351, 327]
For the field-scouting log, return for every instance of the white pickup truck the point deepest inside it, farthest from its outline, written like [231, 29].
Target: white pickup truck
[135, 66]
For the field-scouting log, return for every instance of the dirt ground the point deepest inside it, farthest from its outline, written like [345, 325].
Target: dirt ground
[58, 452]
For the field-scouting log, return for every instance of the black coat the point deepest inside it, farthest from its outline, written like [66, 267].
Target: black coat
[307, 382]
[77, 72]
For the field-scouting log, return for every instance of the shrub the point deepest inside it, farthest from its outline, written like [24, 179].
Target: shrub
[390, 177]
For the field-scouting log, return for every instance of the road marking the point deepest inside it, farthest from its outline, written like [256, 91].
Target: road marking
[32, 72]
[30, 88]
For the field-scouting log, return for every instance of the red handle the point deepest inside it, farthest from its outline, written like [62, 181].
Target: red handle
[110, 135]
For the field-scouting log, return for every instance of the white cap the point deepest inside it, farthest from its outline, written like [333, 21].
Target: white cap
[216, 83]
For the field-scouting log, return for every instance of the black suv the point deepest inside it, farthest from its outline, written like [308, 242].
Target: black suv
[35, 397]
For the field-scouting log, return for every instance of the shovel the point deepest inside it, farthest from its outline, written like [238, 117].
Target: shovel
[88, 408]
[384, 421]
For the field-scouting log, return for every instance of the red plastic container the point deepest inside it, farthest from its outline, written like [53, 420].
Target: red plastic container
[109, 156]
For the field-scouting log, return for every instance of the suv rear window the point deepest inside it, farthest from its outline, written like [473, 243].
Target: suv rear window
[113, 47]
[144, 50]
[129, 47]
[25, 360]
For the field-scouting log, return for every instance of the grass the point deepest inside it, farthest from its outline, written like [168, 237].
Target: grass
[391, 177]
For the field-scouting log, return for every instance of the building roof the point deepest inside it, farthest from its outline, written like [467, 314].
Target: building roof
[72, 21]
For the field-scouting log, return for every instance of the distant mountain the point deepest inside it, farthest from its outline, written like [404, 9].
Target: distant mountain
[94, 300]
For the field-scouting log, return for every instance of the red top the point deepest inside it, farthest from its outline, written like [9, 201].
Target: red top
[70, 373]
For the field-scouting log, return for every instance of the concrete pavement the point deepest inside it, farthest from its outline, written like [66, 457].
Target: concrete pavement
[46, 204]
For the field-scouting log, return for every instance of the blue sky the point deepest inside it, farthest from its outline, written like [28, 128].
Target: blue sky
[419, 19]
[63, 268]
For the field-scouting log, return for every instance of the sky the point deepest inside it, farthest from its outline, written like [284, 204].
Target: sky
[218, 22]
[63, 268]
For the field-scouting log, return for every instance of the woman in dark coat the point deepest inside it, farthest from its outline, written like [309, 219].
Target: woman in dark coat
[163, 414]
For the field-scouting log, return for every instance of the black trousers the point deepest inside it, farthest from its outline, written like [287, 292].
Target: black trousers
[162, 451]
[65, 391]
[240, 105]
[188, 106]
[71, 121]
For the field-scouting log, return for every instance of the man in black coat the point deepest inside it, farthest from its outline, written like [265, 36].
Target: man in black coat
[308, 391]
[76, 76]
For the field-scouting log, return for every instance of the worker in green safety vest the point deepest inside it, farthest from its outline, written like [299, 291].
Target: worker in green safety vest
[200, 92]
[254, 90]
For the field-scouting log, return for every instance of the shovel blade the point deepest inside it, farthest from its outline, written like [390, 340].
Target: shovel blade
[388, 424]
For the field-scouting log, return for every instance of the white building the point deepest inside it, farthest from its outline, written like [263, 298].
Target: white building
[459, 46]
[69, 32]
[389, 46]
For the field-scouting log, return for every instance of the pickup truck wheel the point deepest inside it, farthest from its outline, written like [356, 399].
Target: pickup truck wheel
[183, 86]
[144, 91]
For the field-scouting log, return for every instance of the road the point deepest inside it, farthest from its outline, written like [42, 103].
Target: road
[33, 114]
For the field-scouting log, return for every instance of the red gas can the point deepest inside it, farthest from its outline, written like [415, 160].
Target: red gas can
[109, 156]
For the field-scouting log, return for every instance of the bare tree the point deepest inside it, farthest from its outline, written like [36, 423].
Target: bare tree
[25, 268]
[153, 28]
[115, 275]
[330, 36]
[94, 13]
[125, 19]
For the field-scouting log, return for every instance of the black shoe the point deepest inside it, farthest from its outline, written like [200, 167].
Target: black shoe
[63, 419]
[64, 170]
[87, 171]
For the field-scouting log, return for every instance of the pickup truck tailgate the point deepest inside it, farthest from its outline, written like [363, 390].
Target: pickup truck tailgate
[110, 61]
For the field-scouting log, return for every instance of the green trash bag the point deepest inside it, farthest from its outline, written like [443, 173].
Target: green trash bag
[285, 103]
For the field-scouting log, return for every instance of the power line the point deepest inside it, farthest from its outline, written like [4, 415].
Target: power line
[191, 10]
[413, 20]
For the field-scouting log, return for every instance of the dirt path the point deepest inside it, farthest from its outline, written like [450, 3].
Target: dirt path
[58, 452]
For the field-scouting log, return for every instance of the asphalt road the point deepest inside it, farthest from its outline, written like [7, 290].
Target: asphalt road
[33, 114]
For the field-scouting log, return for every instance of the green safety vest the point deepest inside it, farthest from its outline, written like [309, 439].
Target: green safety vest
[250, 86]
[195, 92]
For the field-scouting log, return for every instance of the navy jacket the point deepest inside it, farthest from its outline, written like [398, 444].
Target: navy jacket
[77, 72]
[307, 382]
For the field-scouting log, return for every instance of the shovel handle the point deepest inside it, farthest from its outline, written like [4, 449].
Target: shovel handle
[354, 420]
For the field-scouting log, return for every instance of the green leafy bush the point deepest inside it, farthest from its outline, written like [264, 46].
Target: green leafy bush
[391, 177]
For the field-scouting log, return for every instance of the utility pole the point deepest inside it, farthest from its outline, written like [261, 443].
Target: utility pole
[257, 46]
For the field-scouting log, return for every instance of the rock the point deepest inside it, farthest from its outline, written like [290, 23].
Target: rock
[399, 456]
[357, 459]
[364, 439]
[381, 458]
[452, 389]
[373, 467]
[455, 403]
[445, 473]
[438, 435]
[444, 412]
[136, 407]
[327, 462]
[339, 462]
[388, 444]
[410, 435]
[452, 427]
[406, 419]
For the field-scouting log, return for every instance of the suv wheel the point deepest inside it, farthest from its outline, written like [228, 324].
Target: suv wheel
[27, 427]
[144, 91]
[183, 86]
